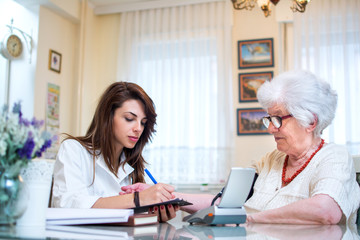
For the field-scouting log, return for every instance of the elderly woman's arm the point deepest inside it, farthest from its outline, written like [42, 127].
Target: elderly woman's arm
[320, 209]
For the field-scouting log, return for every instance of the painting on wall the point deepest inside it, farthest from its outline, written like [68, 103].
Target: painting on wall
[55, 61]
[249, 83]
[256, 53]
[249, 121]
[53, 118]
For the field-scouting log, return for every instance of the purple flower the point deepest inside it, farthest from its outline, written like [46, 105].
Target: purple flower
[25, 122]
[22, 141]
[46, 145]
[27, 149]
[36, 123]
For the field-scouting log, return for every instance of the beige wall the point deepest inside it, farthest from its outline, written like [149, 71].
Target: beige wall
[100, 58]
[251, 25]
[59, 34]
[93, 54]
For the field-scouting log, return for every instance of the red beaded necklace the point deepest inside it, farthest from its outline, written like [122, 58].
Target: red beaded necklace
[287, 181]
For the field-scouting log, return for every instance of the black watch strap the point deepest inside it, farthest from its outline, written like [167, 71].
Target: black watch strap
[136, 199]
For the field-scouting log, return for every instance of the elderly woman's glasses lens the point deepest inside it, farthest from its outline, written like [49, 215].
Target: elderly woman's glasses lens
[276, 120]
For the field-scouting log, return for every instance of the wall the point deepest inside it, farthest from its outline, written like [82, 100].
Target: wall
[59, 34]
[100, 59]
[22, 72]
[251, 25]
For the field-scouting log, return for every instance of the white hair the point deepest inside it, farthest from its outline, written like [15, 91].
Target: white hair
[303, 95]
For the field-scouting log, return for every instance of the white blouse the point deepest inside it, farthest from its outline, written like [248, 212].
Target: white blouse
[331, 172]
[73, 177]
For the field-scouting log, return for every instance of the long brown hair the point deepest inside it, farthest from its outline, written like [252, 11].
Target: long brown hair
[100, 135]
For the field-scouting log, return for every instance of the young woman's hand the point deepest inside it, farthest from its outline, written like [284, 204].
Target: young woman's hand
[156, 193]
[150, 194]
[165, 213]
[137, 187]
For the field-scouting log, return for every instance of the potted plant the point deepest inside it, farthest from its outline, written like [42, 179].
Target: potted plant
[20, 141]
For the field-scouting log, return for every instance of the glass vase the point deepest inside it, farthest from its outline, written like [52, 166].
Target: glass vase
[12, 196]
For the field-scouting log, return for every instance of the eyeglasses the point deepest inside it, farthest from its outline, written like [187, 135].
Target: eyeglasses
[276, 120]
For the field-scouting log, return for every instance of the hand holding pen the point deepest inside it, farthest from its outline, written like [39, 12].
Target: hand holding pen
[138, 187]
[164, 212]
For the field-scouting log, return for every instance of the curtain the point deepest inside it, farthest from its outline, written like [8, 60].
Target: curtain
[327, 43]
[181, 56]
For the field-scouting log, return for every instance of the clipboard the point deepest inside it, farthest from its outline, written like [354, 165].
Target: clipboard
[176, 201]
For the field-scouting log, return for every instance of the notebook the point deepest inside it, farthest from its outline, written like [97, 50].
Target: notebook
[78, 216]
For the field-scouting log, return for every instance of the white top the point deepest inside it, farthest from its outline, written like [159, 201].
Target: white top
[73, 177]
[331, 172]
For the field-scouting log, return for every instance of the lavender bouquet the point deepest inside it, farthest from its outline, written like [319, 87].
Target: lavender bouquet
[20, 139]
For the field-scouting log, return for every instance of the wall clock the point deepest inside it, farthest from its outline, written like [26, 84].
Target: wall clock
[11, 46]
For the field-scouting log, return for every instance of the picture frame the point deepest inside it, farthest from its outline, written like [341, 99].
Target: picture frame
[249, 121]
[256, 53]
[249, 83]
[54, 61]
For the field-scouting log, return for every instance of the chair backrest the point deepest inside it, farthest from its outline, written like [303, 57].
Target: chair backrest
[51, 188]
[356, 159]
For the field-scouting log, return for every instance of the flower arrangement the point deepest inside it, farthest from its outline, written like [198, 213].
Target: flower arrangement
[20, 139]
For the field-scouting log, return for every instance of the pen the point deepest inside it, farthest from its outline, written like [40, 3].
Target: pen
[150, 176]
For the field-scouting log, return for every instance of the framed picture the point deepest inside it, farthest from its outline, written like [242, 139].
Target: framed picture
[249, 84]
[256, 53]
[55, 61]
[249, 121]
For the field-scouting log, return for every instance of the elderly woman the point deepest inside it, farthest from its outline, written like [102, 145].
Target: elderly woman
[304, 181]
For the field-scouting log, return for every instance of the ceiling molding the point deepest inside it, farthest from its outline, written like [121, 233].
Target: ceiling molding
[68, 9]
[136, 6]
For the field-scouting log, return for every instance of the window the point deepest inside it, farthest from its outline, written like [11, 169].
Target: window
[185, 68]
[327, 44]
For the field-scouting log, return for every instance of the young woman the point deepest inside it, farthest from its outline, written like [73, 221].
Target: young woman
[90, 170]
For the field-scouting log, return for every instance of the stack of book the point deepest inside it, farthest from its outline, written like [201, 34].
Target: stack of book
[81, 216]
[96, 223]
